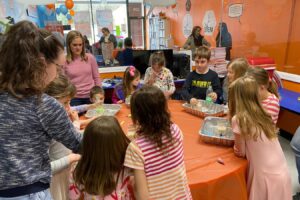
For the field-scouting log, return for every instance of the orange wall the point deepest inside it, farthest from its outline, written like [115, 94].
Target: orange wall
[262, 30]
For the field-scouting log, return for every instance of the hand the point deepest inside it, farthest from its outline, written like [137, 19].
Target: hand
[73, 115]
[120, 102]
[193, 101]
[213, 96]
[168, 94]
[152, 78]
[74, 157]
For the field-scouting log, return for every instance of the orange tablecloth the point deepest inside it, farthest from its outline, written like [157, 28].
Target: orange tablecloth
[208, 179]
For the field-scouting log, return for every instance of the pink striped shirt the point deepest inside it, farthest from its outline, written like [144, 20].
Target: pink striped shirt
[271, 105]
[164, 168]
[83, 74]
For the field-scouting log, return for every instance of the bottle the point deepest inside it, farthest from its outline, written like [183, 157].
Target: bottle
[208, 92]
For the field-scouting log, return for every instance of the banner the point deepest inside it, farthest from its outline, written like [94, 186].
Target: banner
[82, 23]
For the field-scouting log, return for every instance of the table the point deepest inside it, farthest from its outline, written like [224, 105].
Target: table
[208, 179]
[289, 116]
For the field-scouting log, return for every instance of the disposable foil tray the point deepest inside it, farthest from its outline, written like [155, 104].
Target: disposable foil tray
[217, 130]
[203, 109]
[104, 110]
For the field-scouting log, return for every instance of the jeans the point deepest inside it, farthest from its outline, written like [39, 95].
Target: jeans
[42, 195]
[295, 144]
[80, 101]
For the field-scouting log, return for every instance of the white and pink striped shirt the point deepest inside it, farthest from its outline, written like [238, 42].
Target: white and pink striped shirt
[164, 168]
[271, 105]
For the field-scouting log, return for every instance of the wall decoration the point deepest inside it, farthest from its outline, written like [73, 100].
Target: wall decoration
[235, 10]
[209, 22]
[82, 23]
[187, 25]
[104, 19]
[188, 5]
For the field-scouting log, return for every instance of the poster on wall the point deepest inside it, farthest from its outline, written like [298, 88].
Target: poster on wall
[209, 22]
[235, 10]
[82, 23]
[187, 25]
[104, 19]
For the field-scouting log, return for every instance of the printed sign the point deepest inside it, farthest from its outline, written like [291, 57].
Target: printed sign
[209, 22]
[187, 25]
[82, 22]
[235, 10]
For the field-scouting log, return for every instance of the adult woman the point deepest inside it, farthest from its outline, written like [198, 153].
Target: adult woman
[81, 68]
[223, 39]
[108, 43]
[29, 118]
[195, 40]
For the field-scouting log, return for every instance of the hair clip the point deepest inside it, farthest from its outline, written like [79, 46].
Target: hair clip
[131, 70]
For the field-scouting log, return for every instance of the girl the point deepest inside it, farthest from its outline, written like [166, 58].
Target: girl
[235, 69]
[130, 84]
[81, 68]
[156, 155]
[100, 173]
[268, 93]
[29, 118]
[159, 75]
[256, 139]
[61, 157]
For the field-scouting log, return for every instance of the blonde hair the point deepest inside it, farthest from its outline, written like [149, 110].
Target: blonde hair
[262, 78]
[72, 35]
[239, 66]
[244, 104]
[158, 58]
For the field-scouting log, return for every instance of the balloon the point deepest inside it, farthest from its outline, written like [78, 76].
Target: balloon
[70, 21]
[69, 4]
[41, 9]
[63, 9]
[72, 12]
[57, 11]
[69, 17]
[50, 6]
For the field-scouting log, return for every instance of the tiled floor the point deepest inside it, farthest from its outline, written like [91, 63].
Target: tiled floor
[290, 157]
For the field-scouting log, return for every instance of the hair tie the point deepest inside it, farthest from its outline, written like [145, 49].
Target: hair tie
[131, 70]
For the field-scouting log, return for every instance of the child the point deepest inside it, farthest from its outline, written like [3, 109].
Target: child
[158, 75]
[29, 118]
[256, 139]
[97, 95]
[61, 157]
[198, 81]
[235, 69]
[268, 93]
[125, 57]
[100, 173]
[130, 84]
[156, 155]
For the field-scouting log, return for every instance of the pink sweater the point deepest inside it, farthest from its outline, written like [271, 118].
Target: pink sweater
[83, 74]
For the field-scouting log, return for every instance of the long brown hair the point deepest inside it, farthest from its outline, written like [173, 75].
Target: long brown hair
[245, 105]
[150, 113]
[130, 74]
[103, 152]
[70, 37]
[22, 59]
[239, 66]
[61, 87]
[262, 78]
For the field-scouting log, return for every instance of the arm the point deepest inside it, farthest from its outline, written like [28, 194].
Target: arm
[187, 44]
[239, 142]
[185, 93]
[205, 42]
[95, 72]
[171, 85]
[147, 78]
[64, 162]
[80, 108]
[140, 186]
[113, 39]
[53, 116]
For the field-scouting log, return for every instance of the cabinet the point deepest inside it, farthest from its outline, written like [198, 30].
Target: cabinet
[159, 33]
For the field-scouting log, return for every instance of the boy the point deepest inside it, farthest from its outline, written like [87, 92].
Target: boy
[198, 81]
